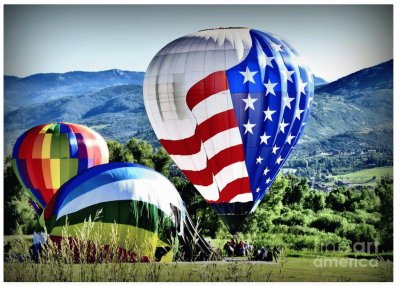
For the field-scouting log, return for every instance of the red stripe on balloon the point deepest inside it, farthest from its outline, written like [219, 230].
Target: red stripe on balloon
[187, 146]
[214, 165]
[207, 129]
[210, 85]
[234, 188]
[26, 147]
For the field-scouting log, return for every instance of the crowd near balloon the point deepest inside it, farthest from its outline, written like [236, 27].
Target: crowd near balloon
[227, 104]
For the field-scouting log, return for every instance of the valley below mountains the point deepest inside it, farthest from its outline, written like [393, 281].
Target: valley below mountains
[351, 124]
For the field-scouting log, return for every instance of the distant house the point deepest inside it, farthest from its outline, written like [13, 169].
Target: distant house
[289, 171]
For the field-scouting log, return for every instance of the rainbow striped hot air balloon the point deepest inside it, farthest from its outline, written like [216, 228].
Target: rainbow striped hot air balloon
[47, 156]
[138, 205]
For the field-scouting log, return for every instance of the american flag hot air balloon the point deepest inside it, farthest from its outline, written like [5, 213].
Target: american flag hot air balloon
[229, 105]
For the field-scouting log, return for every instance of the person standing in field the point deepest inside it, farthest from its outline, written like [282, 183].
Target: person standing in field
[246, 248]
[275, 252]
[261, 255]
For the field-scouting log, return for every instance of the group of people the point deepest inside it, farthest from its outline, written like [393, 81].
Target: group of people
[235, 248]
[243, 248]
[264, 254]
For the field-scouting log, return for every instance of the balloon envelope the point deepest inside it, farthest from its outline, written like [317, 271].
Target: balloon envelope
[47, 156]
[143, 205]
[229, 105]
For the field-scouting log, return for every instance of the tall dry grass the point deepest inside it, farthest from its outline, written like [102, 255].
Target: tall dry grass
[81, 256]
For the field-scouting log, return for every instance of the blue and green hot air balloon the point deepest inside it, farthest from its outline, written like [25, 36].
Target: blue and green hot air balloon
[139, 207]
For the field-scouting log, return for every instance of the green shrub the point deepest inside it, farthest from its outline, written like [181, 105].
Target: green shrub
[361, 216]
[280, 228]
[361, 233]
[314, 200]
[333, 242]
[328, 222]
[303, 230]
[305, 242]
[291, 218]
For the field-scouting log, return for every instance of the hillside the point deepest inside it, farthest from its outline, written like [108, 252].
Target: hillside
[116, 112]
[351, 114]
[356, 109]
[40, 88]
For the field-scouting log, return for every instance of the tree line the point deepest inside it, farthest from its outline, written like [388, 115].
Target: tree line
[291, 213]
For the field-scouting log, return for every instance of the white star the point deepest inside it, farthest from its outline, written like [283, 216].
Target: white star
[249, 102]
[248, 75]
[257, 190]
[289, 139]
[279, 160]
[276, 47]
[259, 160]
[282, 126]
[268, 114]
[264, 139]
[310, 99]
[270, 87]
[298, 113]
[268, 181]
[302, 86]
[287, 75]
[274, 149]
[249, 127]
[265, 60]
[287, 100]
[266, 170]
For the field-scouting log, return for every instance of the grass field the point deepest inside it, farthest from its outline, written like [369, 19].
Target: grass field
[308, 266]
[291, 269]
[367, 177]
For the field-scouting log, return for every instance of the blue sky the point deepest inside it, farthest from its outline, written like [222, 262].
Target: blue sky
[334, 40]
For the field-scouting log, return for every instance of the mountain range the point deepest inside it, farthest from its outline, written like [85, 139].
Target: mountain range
[356, 111]
[40, 88]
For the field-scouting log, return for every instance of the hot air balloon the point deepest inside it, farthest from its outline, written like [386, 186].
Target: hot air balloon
[229, 105]
[146, 208]
[47, 156]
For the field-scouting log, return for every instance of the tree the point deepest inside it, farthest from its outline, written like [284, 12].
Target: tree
[385, 192]
[314, 200]
[17, 211]
[366, 199]
[162, 161]
[296, 190]
[363, 232]
[118, 153]
[273, 198]
[141, 151]
[290, 218]
[258, 222]
[328, 222]
[337, 199]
